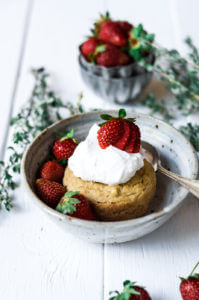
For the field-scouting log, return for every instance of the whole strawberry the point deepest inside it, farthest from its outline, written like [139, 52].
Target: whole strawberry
[119, 132]
[88, 48]
[64, 147]
[111, 32]
[131, 292]
[189, 286]
[75, 205]
[125, 26]
[52, 171]
[50, 191]
[111, 56]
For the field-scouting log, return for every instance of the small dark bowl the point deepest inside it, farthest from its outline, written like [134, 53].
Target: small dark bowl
[113, 84]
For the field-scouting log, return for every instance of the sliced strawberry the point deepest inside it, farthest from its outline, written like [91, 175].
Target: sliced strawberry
[121, 143]
[137, 141]
[131, 141]
[110, 132]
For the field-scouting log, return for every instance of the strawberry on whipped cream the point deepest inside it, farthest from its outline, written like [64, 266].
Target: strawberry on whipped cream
[110, 166]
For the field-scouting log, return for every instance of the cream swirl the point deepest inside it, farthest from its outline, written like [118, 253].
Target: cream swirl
[109, 166]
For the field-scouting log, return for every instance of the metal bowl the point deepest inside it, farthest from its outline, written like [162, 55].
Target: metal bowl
[111, 84]
[167, 140]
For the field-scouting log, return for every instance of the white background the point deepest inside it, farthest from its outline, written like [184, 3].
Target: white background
[37, 259]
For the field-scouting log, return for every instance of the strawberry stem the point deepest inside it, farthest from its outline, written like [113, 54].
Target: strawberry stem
[194, 268]
[122, 113]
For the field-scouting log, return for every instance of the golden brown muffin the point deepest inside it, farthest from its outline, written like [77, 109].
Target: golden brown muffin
[118, 202]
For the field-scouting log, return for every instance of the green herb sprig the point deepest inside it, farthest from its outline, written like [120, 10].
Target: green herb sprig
[192, 134]
[40, 111]
[181, 75]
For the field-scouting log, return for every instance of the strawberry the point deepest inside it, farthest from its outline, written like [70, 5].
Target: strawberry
[131, 292]
[75, 205]
[64, 147]
[121, 143]
[50, 191]
[52, 170]
[110, 133]
[111, 57]
[126, 27]
[133, 144]
[88, 47]
[111, 32]
[189, 286]
[119, 132]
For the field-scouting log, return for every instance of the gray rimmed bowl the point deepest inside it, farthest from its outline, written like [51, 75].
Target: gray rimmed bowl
[115, 89]
[176, 153]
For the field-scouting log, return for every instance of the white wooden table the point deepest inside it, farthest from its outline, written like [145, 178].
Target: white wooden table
[37, 259]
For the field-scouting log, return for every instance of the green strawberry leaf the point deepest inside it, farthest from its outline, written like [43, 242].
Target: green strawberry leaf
[136, 31]
[150, 37]
[66, 204]
[106, 117]
[69, 135]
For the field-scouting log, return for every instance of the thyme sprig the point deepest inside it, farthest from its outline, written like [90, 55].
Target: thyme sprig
[42, 110]
[180, 74]
[192, 134]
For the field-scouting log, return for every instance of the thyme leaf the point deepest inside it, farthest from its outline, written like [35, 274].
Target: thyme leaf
[39, 112]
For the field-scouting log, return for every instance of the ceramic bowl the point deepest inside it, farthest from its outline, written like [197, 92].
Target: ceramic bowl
[176, 153]
[116, 84]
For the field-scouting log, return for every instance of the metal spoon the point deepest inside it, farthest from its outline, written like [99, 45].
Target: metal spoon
[153, 157]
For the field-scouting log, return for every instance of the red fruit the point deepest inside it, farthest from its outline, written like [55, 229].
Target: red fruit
[143, 294]
[121, 143]
[110, 132]
[111, 32]
[133, 144]
[75, 205]
[125, 135]
[189, 287]
[50, 191]
[64, 147]
[125, 26]
[88, 47]
[52, 170]
[112, 57]
[132, 291]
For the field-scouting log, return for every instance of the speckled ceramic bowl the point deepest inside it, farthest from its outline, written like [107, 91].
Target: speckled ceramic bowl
[176, 153]
[116, 84]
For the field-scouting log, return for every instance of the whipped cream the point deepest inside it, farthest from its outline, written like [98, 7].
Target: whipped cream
[109, 166]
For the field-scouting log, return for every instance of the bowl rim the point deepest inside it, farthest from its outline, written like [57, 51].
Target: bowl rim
[107, 224]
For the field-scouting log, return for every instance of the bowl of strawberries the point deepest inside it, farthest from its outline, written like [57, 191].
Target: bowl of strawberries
[113, 60]
[50, 186]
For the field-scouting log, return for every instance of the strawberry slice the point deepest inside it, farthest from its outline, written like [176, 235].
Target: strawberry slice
[137, 141]
[131, 141]
[133, 144]
[109, 133]
[121, 143]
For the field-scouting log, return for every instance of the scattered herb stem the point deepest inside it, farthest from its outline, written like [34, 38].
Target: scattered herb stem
[39, 112]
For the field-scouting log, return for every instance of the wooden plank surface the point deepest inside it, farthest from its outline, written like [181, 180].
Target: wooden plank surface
[12, 21]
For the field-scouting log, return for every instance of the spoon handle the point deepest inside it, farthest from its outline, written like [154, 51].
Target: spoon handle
[190, 184]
